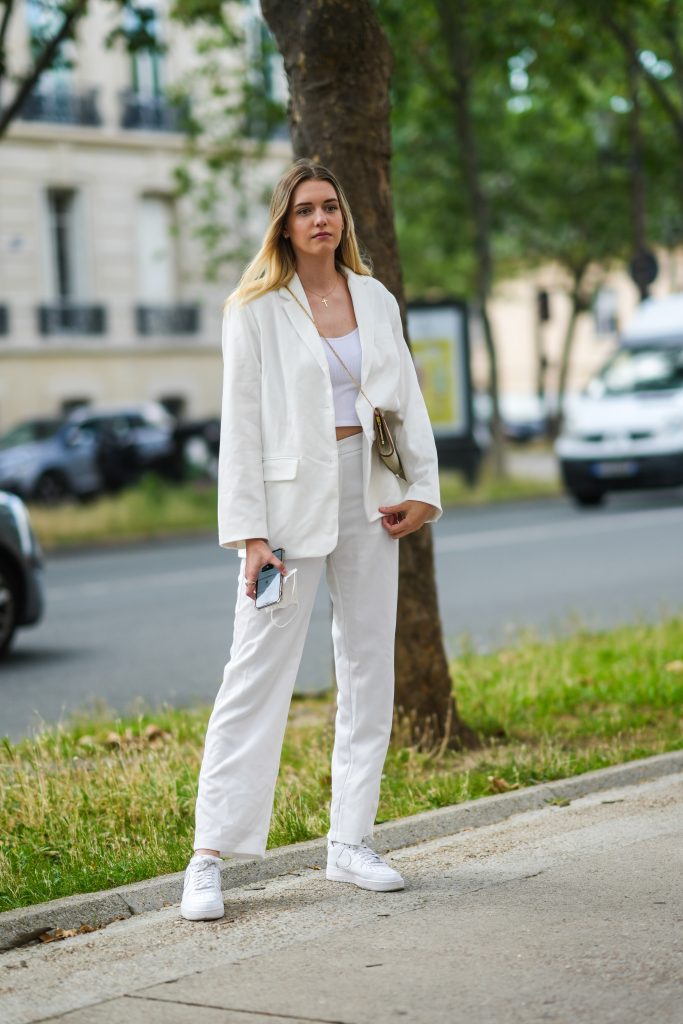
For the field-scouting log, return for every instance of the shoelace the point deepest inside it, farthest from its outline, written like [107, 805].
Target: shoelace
[202, 872]
[367, 854]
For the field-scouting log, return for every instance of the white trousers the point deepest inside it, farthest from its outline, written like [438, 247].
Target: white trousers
[247, 725]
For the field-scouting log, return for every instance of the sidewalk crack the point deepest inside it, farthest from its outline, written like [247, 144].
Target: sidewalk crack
[241, 1009]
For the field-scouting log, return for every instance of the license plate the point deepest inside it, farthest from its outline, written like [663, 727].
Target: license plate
[614, 469]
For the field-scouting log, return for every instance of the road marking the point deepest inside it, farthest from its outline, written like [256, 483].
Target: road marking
[225, 574]
[531, 534]
[186, 577]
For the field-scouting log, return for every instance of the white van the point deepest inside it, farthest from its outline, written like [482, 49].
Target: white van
[625, 430]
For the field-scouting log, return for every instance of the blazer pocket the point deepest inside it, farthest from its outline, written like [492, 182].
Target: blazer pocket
[280, 468]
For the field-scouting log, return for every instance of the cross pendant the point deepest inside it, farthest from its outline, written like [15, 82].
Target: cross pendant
[325, 303]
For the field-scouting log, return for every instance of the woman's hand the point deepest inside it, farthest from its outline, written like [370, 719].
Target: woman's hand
[406, 517]
[258, 555]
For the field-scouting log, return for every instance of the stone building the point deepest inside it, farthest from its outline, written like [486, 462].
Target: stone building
[103, 298]
[102, 292]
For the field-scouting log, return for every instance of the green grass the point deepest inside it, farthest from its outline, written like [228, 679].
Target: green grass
[155, 508]
[454, 490]
[102, 801]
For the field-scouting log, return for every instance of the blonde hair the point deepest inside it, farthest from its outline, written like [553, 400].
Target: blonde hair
[274, 264]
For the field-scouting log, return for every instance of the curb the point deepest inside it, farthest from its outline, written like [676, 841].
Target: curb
[118, 544]
[100, 908]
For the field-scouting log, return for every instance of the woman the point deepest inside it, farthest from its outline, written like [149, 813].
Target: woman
[298, 470]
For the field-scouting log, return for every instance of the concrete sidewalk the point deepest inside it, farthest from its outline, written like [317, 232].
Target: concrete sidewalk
[564, 914]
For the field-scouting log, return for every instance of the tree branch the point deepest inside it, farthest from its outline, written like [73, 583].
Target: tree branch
[43, 62]
[672, 35]
[9, 4]
[623, 36]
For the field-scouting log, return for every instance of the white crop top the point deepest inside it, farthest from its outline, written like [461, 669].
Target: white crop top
[344, 390]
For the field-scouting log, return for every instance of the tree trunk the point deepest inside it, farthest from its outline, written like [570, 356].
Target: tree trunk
[451, 19]
[636, 171]
[338, 64]
[579, 305]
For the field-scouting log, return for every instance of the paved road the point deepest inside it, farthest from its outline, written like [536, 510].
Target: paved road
[568, 915]
[156, 621]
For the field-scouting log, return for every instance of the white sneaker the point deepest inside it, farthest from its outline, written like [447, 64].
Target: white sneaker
[361, 866]
[202, 896]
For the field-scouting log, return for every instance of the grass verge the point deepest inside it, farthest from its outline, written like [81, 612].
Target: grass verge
[154, 509]
[100, 802]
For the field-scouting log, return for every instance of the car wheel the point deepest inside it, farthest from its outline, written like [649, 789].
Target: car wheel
[588, 499]
[51, 488]
[9, 606]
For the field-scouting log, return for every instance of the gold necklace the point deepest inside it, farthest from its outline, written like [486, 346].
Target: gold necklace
[325, 297]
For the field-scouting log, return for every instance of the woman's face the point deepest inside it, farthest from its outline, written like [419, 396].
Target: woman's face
[314, 223]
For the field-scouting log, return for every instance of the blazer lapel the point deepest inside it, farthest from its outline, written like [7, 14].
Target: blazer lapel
[303, 325]
[305, 328]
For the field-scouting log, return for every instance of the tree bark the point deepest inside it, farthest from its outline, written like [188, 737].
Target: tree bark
[451, 19]
[636, 170]
[338, 64]
[578, 306]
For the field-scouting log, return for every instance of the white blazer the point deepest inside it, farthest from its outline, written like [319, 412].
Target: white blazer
[277, 467]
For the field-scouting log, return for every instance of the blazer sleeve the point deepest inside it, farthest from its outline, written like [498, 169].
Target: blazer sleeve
[241, 491]
[414, 435]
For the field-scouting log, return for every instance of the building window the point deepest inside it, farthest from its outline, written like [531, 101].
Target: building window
[67, 312]
[147, 63]
[158, 311]
[45, 18]
[145, 105]
[156, 250]
[55, 97]
[62, 214]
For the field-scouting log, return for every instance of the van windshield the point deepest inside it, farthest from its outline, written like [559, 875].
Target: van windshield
[630, 371]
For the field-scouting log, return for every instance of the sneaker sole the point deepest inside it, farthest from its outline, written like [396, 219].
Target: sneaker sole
[202, 915]
[339, 875]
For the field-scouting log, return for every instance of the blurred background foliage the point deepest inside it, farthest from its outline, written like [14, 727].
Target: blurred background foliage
[572, 151]
[552, 108]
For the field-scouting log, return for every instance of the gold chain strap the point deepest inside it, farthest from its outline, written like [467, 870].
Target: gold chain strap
[331, 346]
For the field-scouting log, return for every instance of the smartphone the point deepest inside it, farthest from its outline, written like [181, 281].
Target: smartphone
[269, 582]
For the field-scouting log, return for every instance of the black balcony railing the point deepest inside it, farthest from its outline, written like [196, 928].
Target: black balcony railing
[4, 320]
[71, 318]
[180, 319]
[65, 106]
[153, 113]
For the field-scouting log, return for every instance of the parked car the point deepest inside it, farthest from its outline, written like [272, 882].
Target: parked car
[131, 439]
[47, 460]
[21, 570]
[523, 416]
[625, 430]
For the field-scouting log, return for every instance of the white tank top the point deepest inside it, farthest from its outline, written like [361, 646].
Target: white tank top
[344, 390]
